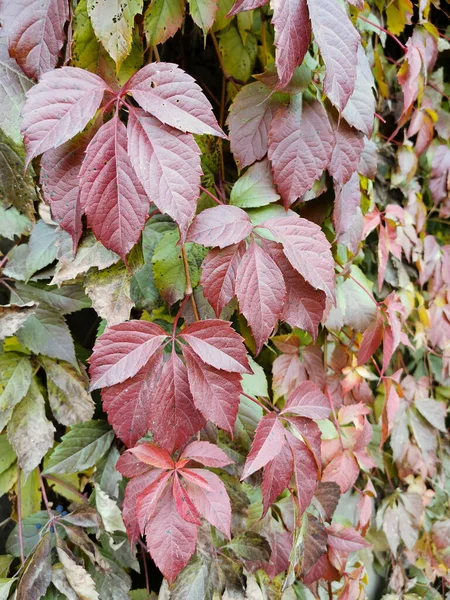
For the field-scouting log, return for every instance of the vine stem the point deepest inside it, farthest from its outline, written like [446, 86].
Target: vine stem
[44, 497]
[208, 193]
[391, 35]
[256, 401]
[144, 562]
[67, 486]
[19, 514]
[189, 290]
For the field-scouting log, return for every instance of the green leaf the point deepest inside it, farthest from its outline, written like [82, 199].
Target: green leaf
[238, 58]
[203, 13]
[162, 20]
[30, 433]
[66, 300]
[194, 582]
[248, 417]
[42, 249]
[5, 588]
[31, 496]
[16, 188]
[109, 511]
[168, 266]
[250, 546]
[81, 448]
[16, 373]
[112, 583]
[7, 455]
[67, 392]
[113, 22]
[31, 530]
[106, 474]
[85, 47]
[5, 562]
[255, 188]
[13, 223]
[109, 291]
[12, 317]
[8, 479]
[256, 383]
[224, 7]
[143, 291]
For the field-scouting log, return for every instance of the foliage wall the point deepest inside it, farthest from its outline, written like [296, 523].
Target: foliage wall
[225, 299]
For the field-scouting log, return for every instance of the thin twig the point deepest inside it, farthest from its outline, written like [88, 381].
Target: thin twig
[19, 515]
[256, 401]
[394, 37]
[189, 290]
[44, 497]
[144, 562]
[208, 193]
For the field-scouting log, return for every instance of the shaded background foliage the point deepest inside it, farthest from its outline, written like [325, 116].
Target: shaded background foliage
[299, 324]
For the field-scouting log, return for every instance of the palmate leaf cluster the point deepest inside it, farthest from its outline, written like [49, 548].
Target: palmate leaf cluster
[224, 299]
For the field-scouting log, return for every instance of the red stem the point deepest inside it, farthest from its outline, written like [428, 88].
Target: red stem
[402, 46]
[19, 515]
[208, 193]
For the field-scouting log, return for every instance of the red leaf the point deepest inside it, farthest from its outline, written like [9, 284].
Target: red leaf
[345, 539]
[167, 163]
[207, 454]
[132, 491]
[193, 475]
[147, 499]
[172, 96]
[183, 503]
[347, 151]
[308, 401]
[307, 249]
[128, 404]
[35, 31]
[220, 226]
[122, 351]
[218, 278]
[59, 107]
[130, 466]
[267, 443]
[276, 477]
[112, 196]
[371, 339]
[300, 147]
[242, 5]
[292, 36]
[343, 470]
[151, 454]
[217, 344]
[348, 220]
[305, 472]
[215, 393]
[170, 539]
[261, 292]
[174, 416]
[214, 506]
[409, 76]
[311, 435]
[338, 43]
[249, 121]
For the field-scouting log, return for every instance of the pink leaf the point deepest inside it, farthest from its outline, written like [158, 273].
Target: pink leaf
[35, 31]
[132, 491]
[194, 476]
[215, 393]
[174, 416]
[371, 339]
[217, 344]
[345, 539]
[214, 506]
[147, 499]
[167, 163]
[184, 504]
[348, 220]
[360, 108]
[130, 466]
[218, 278]
[305, 472]
[307, 400]
[242, 5]
[151, 454]
[249, 121]
[220, 226]
[300, 147]
[172, 96]
[207, 454]
[59, 107]
[292, 36]
[276, 477]
[112, 196]
[349, 145]
[267, 443]
[311, 435]
[409, 76]
[122, 351]
[338, 43]
[261, 292]
[307, 249]
[128, 404]
[343, 470]
[170, 539]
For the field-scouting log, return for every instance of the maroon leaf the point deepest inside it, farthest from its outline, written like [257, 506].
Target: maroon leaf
[292, 36]
[218, 278]
[371, 339]
[128, 404]
[173, 96]
[349, 145]
[130, 466]
[267, 443]
[174, 416]
[307, 249]
[300, 147]
[348, 220]
[59, 107]
[215, 393]
[242, 5]
[35, 31]
[276, 477]
[183, 503]
[112, 196]
[249, 121]
[338, 43]
[261, 292]
[214, 506]
[345, 539]
[167, 163]
[132, 491]
[311, 435]
[305, 472]
[150, 454]
[207, 454]
[217, 344]
[308, 401]
[220, 226]
[147, 499]
[122, 351]
[170, 539]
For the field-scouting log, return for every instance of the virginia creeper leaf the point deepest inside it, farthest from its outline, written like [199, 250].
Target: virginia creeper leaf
[276, 477]
[162, 19]
[268, 442]
[307, 401]
[305, 471]
[207, 454]
[220, 226]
